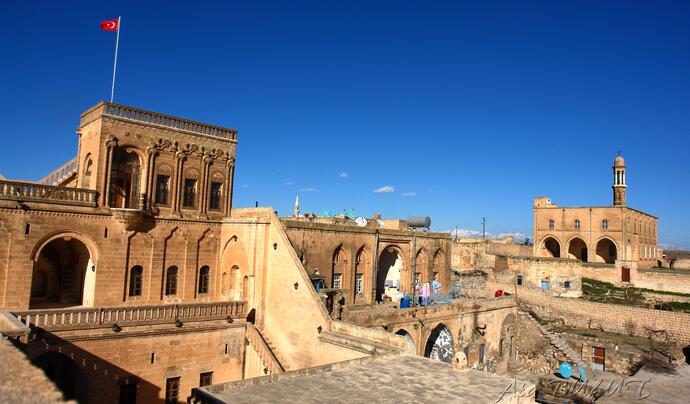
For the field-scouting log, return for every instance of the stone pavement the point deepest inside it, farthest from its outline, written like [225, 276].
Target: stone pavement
[399, 379]
[662, 388]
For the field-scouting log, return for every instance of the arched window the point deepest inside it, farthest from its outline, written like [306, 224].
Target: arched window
[552, 224]
[204, 273]
[135, 277]
[577, 224]
[171, 281]
[605, 224]
[86, 175]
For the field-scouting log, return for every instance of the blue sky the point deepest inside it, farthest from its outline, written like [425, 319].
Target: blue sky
[464, 109]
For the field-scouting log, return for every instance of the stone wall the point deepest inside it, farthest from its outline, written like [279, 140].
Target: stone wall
[469, 280]
[561, 275]
[147, 356]
[624, 360]
[659, 325]
[293, 315]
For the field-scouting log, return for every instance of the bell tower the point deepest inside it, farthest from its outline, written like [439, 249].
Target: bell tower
[619, 186]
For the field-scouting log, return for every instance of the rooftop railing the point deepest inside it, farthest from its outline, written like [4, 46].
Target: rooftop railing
[32, 192]
[138, 115]
[107, 317]
[64, 172]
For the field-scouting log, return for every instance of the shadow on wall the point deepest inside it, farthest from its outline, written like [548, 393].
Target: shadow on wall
[83, 376]
[686, 352]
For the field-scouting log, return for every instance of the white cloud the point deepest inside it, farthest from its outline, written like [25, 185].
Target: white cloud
[344, 175]
[517, 236]
[384, 189]
[462, 233]
[307, 189]
[289, 183]
[245, 186]
[408, 194]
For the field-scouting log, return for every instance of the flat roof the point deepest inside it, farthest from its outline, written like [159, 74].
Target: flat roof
[389, 378]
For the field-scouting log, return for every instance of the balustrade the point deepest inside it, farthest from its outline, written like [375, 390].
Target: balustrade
[61, 173]
[104, 317]
[32, 192]
[133, 114]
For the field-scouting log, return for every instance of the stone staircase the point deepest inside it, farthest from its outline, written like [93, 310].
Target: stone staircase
[559, 343]
[68, 293]
[266, 350]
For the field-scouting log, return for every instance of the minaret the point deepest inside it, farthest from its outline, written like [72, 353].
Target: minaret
[295, 212]
[619, 181]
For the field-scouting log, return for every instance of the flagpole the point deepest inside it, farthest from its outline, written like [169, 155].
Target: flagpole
[117, 43]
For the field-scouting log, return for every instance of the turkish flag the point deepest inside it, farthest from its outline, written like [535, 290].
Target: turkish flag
[109, 25]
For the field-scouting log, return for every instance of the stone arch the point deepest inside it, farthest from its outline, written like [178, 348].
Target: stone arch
[550, 247]
[421, 265]
[216, 190]
[87, 172]
[64, 271]
[174, 254]
[235, 264]
[629, 250]
[207, 256]
[577, 249]
[439, 345]
[191, 188]
[389, 274]
[439, 263]
[126, 185]
[362, 267]
[162, 186]
[339, 268]
[409, 339]
[607, 250]
[66, 374]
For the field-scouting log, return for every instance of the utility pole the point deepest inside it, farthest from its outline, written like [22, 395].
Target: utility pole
[483, 227]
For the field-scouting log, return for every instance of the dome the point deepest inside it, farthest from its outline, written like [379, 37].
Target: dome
[619, 161]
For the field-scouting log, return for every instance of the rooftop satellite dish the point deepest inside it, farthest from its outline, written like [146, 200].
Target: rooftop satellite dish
[380, 222]
[361, 222]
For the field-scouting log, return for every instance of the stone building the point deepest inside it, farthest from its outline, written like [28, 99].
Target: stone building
[360, 259]
[127, 275]
[597, 234]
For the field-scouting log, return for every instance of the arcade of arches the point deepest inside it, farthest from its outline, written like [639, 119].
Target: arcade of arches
[606, 250]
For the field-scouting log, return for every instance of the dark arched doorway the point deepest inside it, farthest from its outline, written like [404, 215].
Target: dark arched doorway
[577, 249]
[550, 247]
[408, 338]
[439, 346]
[607, 251]
[66, 375]
[63, 275]
[388, 279]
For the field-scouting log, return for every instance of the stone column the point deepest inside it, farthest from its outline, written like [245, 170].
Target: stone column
[179, 159]
[229, 181]
[145, 199]
[203, 195]
[110, 147]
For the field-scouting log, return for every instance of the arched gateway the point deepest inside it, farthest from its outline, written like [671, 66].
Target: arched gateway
[64, 274]
[439, 346]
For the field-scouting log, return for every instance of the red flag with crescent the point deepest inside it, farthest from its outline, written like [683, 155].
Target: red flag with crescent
[109, 25]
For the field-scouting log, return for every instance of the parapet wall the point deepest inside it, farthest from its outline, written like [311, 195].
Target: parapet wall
[659, 325]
